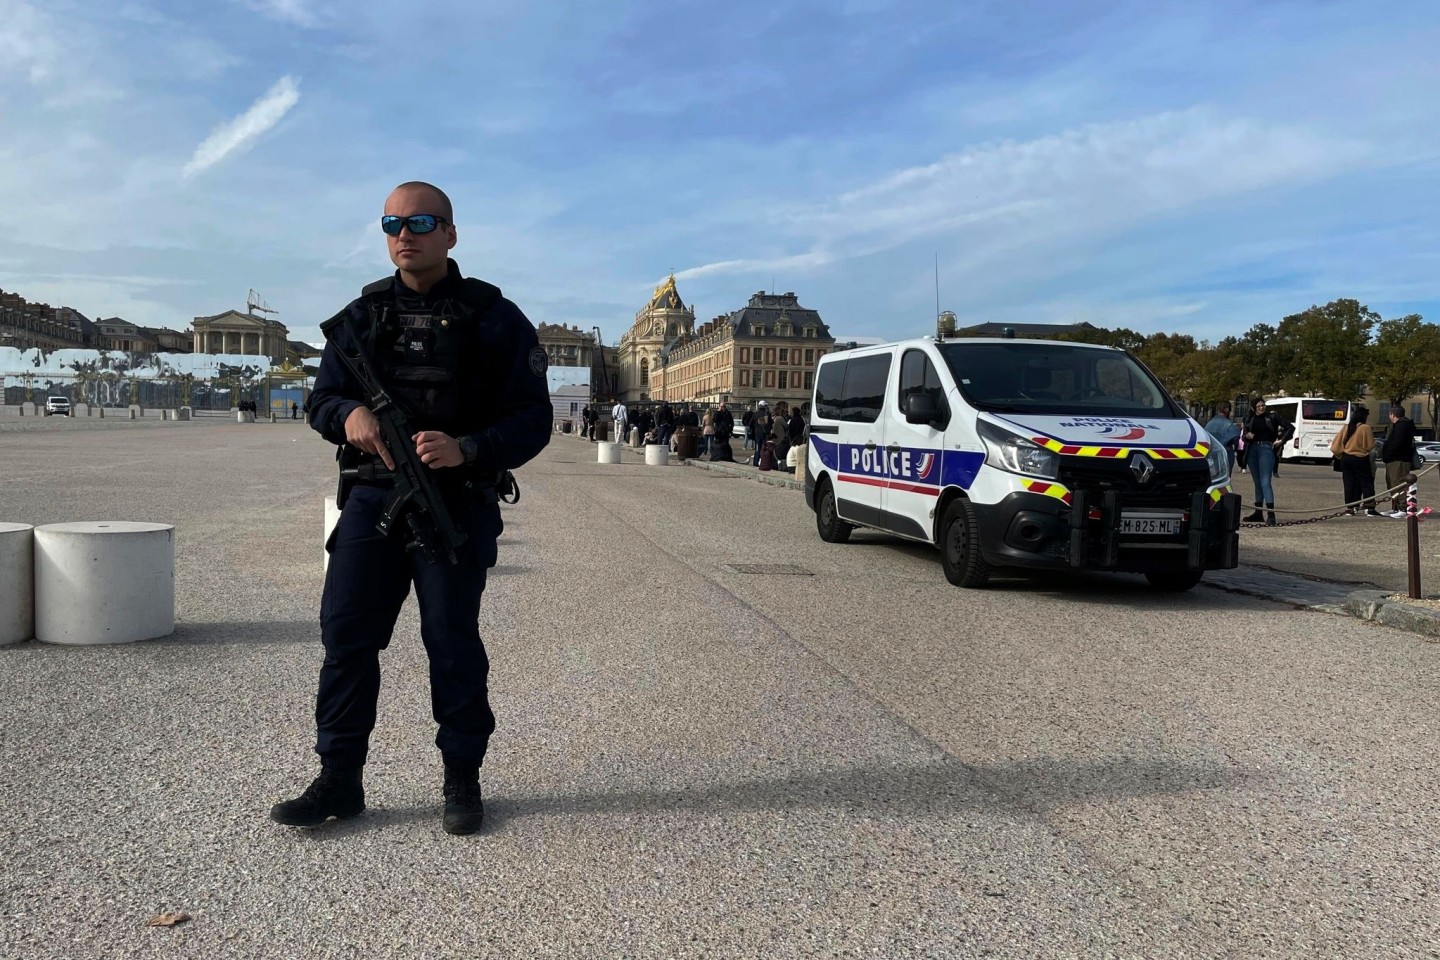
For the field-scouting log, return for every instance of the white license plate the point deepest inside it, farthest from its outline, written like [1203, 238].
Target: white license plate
[1151, 526]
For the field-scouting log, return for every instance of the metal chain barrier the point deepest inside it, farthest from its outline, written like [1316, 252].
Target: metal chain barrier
[1346, 509]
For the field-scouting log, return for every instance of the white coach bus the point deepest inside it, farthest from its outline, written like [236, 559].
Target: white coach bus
[1316, 421]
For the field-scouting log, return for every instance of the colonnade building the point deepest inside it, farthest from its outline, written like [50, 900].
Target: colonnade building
[239, 333]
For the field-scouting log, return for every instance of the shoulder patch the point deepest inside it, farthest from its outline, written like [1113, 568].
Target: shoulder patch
[539, 363]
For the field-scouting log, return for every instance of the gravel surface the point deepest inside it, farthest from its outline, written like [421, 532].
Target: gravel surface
[694, 761]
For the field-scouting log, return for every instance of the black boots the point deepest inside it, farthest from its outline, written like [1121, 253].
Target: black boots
[464, 810]
[335, 793]
[1257, 516]
[1269, 515]
[339, 793]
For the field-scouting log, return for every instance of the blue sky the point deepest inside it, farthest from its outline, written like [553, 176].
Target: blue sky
[1165, 166]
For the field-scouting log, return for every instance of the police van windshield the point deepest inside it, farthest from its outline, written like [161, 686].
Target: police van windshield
[1054, 378]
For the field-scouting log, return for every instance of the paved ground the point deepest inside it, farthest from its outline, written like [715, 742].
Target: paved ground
[848, 757]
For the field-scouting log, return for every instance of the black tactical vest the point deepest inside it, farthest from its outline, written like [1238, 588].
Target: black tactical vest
[420, 344]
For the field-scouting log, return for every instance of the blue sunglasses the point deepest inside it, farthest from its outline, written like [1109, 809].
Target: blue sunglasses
[420, 223]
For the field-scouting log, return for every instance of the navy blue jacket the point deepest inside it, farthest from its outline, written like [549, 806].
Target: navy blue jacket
[503, 395]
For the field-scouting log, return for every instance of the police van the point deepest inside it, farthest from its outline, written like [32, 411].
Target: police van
[1019, 453]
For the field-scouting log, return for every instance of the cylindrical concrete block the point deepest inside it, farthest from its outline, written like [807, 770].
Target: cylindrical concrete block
[657, 455]
[332, 517]
[104, 581]
[634, 436]
[135, 412]
[607, 452]
[17, 582]
[184, 413]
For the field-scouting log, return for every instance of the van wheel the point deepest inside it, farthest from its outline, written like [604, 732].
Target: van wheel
[960, 546]
[1174, 581]
[832, 529]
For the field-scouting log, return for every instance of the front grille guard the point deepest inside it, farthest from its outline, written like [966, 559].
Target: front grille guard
[1213, 530]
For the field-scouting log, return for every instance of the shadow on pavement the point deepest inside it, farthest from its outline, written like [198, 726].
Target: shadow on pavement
[208, 634]
[894, 790]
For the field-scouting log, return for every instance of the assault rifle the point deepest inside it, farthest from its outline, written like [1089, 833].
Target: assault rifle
[417, 498]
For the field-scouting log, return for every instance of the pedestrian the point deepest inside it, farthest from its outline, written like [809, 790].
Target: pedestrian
[1398, 453]
[1223, 429]
[724, 429]
[795, 428]
[759, 430]
[1264, 434]
[745, 419]
[294, 410]
[707, 432]
[1353, 448]
[467, 366]
[620, 417]
[665, 423]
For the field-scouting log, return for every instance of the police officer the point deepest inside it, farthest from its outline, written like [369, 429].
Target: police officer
[467, 366]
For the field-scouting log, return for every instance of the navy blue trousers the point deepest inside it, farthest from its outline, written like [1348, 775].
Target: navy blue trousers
[367, 582]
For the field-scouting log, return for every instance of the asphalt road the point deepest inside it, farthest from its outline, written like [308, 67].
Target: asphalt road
[844, 756]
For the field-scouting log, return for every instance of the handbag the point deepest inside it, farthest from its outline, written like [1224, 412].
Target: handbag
[1335, 464]
[1416, 461]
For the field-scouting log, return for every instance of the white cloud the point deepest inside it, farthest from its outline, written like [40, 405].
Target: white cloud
[298, 12]
[801, 261]
[238, 133]
[27, 41]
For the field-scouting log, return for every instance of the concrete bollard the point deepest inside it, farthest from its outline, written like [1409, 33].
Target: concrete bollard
[17, 582]
[607, 452]
[332, 517]
[80, 410]
[102, 413]
[657, 455]
[184, 413]
[27, 409]
[104, 581]
[272, 416]
[134, 412]
[796, 458]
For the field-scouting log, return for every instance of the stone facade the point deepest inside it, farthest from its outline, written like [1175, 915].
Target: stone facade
[662, 321]
[566, 346]
[28, 326]
[767, 350]
[233, 332]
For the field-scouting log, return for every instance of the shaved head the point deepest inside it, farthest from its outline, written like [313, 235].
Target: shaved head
[442, 209]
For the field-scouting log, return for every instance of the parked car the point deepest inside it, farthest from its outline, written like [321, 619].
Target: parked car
[1429, 452]
[59, 406]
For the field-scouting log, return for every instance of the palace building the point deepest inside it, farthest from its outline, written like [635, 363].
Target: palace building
[766, 350]
[663, 320]
[245, 334]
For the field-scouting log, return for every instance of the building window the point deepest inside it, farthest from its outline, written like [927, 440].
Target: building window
[810, 332]
[784, 385]
[809, 380]
[784, 355]
[809, 357]
[744, 378]
[644, 371]
[755, 378]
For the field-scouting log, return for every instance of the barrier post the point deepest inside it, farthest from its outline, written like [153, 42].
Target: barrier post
[1412, 534]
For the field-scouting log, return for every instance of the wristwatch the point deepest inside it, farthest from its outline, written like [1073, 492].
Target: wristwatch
[469, 449]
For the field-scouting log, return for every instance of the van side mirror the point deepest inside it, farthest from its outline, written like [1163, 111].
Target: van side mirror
[922, 408]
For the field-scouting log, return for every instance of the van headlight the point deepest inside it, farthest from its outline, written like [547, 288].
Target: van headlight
[1219, 462]
[1011, 452]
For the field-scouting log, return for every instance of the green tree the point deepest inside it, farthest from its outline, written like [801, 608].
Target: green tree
[1324, 350]
[1405, 358]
